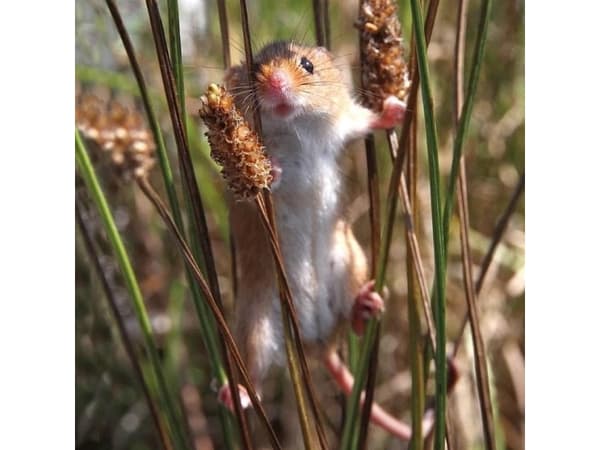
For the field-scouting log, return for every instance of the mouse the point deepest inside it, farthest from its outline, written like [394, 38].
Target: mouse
[308, 115]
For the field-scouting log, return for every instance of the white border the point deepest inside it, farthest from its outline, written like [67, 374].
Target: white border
[37, 383]
[563, 222]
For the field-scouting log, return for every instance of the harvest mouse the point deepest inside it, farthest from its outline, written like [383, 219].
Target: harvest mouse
[308, 115]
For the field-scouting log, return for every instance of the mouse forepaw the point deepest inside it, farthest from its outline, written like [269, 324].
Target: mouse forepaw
[275, 173]
[367, 304]
[391, 115]
[225, 397]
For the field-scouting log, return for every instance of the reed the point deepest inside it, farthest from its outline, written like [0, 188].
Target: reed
[166, 397]
[206, 323]
[483, 386]
[123, 333]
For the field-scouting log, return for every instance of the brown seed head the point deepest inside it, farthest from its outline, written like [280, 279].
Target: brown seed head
[234, 145]
[118, 130]
[384, 71]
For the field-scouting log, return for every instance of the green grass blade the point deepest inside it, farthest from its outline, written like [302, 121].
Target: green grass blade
[87, 171]
[175, 53]
[126, 339]
[207, 325]
[436, 218]
[387, 232]
[467, 109]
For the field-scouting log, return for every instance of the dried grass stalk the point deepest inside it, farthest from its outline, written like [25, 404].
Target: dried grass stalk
[234, 145]
[382, 51]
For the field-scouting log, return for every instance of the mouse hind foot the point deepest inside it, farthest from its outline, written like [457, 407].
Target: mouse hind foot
[367, 304]
[225, 397]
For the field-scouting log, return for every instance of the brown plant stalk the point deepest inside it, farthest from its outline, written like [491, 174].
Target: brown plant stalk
[285, 292]
[497, 234]
[398, 152]
[416, 347]
[383, 73]
[322, 28]
[123, 333]
[191, 189]
[481, 373]
[153, 196]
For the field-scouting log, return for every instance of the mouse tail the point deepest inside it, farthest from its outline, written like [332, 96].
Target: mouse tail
[344, 379]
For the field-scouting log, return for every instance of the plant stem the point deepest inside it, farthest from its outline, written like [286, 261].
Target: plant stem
[85, 166]
[374, 218]
[438, 234]
[199, 228]
[391, 208]
[465, 115]
[417, 397]
[175, 53]
[481, 373]
[499, 230]
[206, 323]
[209, 298]
[224, 28]
[123, 333]
[321, 16]
[483, 386]
[268, 216]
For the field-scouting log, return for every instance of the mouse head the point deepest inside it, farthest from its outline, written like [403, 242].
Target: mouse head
[291, 80]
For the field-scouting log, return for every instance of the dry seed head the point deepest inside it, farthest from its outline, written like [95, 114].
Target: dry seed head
[384, 71]
[118, 130]
[234, 145]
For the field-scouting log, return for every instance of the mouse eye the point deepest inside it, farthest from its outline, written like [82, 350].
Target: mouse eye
[306, 64]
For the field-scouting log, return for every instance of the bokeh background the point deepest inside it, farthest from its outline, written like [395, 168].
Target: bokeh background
[110, 409]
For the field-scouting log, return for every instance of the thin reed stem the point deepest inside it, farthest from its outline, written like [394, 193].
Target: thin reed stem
[322, 27]
[438, 235]
[153, 196]
[466, 111]
[481, 373]
[224, 29]
[375, 225]
[87, 171]
[483, 386]
[267, 214]
[206, 323]
[123, 333]
[499, 230]
[287, 311]
[175, 53]
[265, 207]
[387, 231]
[199, 226]
[413, 265]
[416, 260]
[374, 218]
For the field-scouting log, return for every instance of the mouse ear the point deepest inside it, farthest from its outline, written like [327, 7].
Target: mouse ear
[235, 76]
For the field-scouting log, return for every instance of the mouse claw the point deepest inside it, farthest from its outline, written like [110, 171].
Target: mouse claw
[275, 173]
[391, 115]
[225, 397]
[367, 304]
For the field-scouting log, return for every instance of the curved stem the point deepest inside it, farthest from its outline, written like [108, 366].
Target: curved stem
[123, 333]
[87, 171]
[210, 300]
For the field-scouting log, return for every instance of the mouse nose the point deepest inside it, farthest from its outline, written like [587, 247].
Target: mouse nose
[278, 81]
